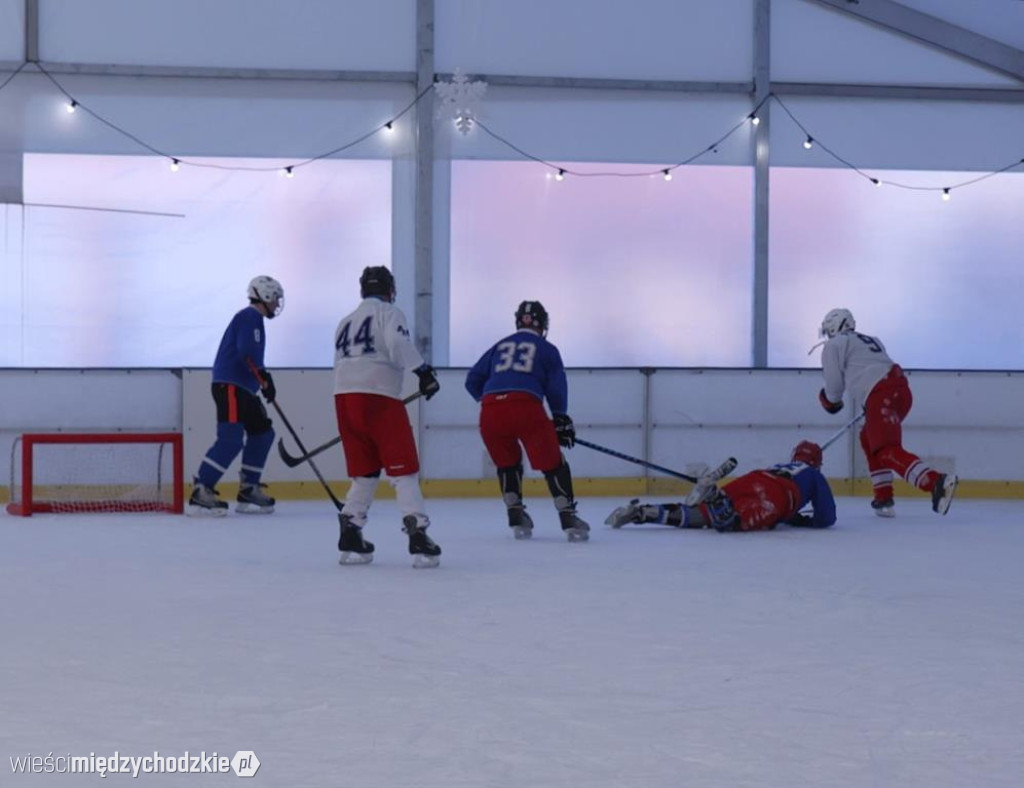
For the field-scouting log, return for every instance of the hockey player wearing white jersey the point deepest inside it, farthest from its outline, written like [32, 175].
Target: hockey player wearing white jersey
[859, 365]
[372, 350]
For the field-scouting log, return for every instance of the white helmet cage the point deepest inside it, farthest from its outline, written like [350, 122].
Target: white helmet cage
[268, 291]
[838, 321]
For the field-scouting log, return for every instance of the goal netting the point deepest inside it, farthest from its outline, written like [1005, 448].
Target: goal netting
[90, 472]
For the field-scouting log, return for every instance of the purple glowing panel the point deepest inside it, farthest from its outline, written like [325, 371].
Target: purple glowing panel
[940, 282]
[145, 267]
[633, 271]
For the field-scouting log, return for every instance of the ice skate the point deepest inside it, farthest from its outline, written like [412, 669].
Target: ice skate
[630, 513]
[425, 553]
[885, 507]
[252, 500]
[354, 549]
[943, 492]
[705, 487]
[520, 522]
[575, 529]
[205, 502]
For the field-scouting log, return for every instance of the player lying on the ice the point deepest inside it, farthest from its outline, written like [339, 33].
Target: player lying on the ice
[756, 501]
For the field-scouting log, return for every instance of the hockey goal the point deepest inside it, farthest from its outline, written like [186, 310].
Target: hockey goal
[93, 472]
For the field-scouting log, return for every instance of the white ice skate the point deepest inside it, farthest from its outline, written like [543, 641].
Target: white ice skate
[630, 513]
[205, 502]
[943, 492]
[705, 487]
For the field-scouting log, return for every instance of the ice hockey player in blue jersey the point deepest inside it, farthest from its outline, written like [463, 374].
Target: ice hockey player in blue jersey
[756, 501]
[243, 426]
[511, 381]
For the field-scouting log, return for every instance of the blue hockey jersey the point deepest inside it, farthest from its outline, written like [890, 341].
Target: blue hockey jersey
[814, 490]
[243, 342]
[523, 361]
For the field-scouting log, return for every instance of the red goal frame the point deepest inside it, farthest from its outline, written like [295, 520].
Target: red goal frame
[27, 506]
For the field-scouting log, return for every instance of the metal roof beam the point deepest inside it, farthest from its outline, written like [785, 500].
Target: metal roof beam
[937, 32]
[827, 90]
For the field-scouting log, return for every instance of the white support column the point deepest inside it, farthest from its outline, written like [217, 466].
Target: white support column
[424, 227]
[762, 83]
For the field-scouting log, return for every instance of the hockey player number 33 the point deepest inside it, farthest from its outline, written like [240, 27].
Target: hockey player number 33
[363, 337]
[515, 356]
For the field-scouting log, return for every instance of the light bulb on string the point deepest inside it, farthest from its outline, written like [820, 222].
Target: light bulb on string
[667, 174]
[876, 181]
[560, 176]
[946, 196]
[175, 165]
[754, 120]
[288, 172]
[71, 106]
[809, 142]
[389, 127]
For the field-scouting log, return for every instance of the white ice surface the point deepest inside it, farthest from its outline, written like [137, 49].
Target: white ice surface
[880, 653]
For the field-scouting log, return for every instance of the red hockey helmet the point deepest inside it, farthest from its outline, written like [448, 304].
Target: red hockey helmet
[808, 452]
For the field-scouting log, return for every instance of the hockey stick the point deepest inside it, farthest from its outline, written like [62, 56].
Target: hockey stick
[725, 468]
[842, 432]
[291, 461]
[330, 494]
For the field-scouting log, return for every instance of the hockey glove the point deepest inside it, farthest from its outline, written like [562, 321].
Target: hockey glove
[267, 385]
[831, 407]
[429, 385]
[565, 430]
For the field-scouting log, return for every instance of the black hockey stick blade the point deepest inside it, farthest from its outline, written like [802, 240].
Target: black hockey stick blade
[292, 462]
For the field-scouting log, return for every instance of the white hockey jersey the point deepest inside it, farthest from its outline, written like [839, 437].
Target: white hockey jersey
[372, 350]
[853, 363]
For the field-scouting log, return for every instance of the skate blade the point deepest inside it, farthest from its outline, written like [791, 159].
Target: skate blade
[252, 508]
[886, 511]
[619, 517]
[354, 559]
[202, 511]
[522, 532]
[425, 561]
[577, 534]
[947, 499]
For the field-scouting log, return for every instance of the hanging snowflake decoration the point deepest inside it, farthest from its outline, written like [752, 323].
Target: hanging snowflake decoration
[460, 100]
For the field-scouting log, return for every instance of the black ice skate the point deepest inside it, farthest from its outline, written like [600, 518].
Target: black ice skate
[943, 492]
[252, 500]
[205, 502]
[885, 507]
[354, 549]
[425, 553]
[575, 529]
[520, 522]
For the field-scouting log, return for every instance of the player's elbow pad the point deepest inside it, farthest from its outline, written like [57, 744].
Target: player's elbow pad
[831, 407]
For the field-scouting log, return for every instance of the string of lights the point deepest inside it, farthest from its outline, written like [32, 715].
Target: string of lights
[753, 118]
[560, 172]
[946, 191]
[176, 162]
[665, 172]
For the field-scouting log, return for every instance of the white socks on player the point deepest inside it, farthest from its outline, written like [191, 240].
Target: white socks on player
[360, 496]
[410, 498]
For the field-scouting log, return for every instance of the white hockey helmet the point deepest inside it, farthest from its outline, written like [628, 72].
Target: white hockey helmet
[267, 291]
[838, 321]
